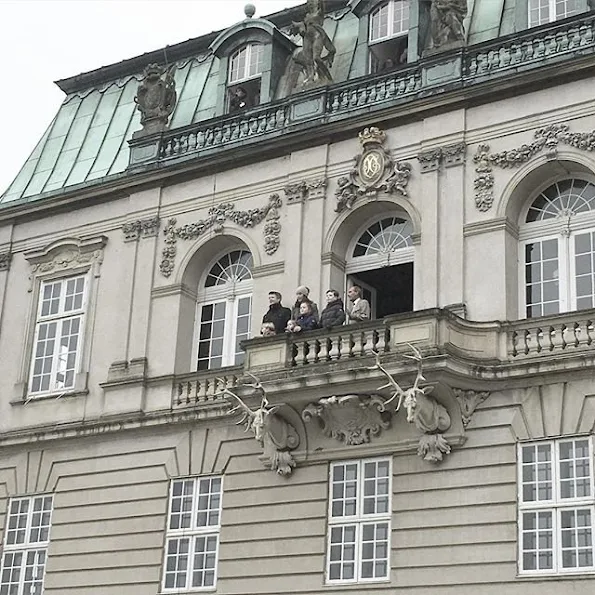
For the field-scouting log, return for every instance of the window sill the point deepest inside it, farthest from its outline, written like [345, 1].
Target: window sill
[579, 574]
[371, 584]
[49, 397]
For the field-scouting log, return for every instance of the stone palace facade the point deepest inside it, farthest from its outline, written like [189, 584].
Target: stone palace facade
[438, 153]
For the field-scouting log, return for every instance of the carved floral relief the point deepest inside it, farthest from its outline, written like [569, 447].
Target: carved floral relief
[546, 139]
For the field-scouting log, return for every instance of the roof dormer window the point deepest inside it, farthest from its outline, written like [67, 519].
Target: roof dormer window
[246, 63]
[388, 35]
[244, 78]
[389, 20]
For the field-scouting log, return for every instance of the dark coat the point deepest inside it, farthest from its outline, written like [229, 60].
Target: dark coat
[295, 311]
[307, 322]
[333, 314]
[279, 316]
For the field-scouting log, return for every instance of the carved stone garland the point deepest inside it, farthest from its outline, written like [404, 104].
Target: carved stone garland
[546, 139]
[352, 419]
[217, 217]
[374, 171]
[305, 190]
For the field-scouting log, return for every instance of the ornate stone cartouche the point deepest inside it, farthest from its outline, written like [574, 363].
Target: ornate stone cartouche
[351, 419]
[155, 99]
[374, 171]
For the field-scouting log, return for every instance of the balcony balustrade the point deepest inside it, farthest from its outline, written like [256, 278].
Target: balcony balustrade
[570, 40]
[496, 347]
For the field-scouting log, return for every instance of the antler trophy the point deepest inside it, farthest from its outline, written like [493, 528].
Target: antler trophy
[277, 436]
[429, 416]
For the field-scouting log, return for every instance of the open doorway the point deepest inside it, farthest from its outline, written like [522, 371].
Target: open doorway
[389, 289]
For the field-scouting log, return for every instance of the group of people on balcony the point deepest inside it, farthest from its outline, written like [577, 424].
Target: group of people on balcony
[304, 315]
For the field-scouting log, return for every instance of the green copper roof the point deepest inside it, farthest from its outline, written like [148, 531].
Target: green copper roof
[88, 138]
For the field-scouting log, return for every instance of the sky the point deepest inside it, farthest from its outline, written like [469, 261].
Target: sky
[42, 41]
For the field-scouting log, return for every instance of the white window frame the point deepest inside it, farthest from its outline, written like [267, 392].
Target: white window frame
[194, 531]
[230, 334]
[552, 6]
[555, 506]
[59, 318]
[391, 33]
[29, 546]
[359, 519]
[253, 50]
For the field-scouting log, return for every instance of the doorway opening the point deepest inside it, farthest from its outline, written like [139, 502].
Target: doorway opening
[389, 290]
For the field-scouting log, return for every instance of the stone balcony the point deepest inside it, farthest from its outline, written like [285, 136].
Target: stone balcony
[473, 355]
[532, 57]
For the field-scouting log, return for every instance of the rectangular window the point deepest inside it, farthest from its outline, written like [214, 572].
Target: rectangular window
[192, 543]
[389, 20]
[359, 521]
[58, 335]
[223, 325]
[542, 273]
[26, 541]
[556, 507]
[547, 11]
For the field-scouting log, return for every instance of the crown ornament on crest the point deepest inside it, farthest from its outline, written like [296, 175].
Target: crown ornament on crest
[372, 135]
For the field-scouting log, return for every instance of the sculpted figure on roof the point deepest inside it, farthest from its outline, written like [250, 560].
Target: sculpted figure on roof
[315, 67]
[446, 23]
[155, 99]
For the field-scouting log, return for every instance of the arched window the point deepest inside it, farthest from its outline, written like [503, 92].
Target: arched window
[380, 260]
[558, 243]
[389, 27]
[224, 311]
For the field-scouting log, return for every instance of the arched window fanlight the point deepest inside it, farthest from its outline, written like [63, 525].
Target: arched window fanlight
[564, 198]
[384, 236]
[558, 241]
[225, 311]
[231, 268]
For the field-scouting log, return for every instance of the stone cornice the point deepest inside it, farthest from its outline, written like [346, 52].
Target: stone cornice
[270, 268]
[491, 225]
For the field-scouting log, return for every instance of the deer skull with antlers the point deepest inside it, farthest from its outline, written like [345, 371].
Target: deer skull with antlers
[277, 436]
[407, 396]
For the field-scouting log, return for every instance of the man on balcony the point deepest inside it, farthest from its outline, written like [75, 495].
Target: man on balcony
[360, 309]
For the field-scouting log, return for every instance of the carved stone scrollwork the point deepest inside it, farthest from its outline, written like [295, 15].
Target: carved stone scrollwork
[351, 419]
[545, 139]
[5, 258]
[448, 155]
[468, 401]
[374, 171]
[218, 215]
[274, 433]
[141, 228]
[305, 190]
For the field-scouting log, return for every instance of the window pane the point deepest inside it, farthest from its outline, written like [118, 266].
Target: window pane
[577, 538]
[537, 483]
[205, 557]
[375, 549]
[542, 293]
[345, 491]
[181, 504]
[176, 563]
[342, 553]
[575, 469]
[537, 540]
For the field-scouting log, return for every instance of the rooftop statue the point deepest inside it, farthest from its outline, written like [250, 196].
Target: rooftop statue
[314, 66]
[446, 24]
[155, 99]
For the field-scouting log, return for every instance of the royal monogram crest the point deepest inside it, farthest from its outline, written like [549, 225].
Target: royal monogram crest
[374, 171]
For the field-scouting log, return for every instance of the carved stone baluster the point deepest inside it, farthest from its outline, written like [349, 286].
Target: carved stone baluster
[368, 341]
[380, 341]
[324, 348]
[357, 344]
[335, 347]
[590, 332]
[558, 337]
